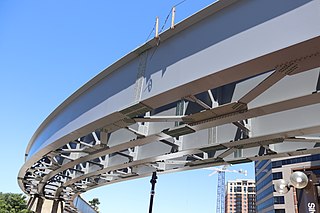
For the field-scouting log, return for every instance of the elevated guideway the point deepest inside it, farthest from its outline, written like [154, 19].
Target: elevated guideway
[236, 82]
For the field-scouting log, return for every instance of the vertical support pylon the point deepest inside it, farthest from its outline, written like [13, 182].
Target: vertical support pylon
[61, 207]
[31, 201]
[55, 206]
[39, 205]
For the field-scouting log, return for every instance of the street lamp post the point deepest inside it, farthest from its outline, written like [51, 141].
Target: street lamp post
[153, 182]
[307, 194]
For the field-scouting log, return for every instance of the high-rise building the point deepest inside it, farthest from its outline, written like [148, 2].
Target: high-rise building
[240, 196]
[269, 171]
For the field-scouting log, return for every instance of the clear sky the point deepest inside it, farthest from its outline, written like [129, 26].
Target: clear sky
[48, 49]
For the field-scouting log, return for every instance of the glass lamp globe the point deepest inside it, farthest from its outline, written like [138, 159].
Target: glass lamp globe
[281, 186]
[299, 180]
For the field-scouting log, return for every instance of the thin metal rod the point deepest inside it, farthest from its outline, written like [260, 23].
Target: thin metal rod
[153, 182]
[173, 14]
[157, 27]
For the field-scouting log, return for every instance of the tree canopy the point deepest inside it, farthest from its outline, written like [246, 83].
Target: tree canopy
[94, 203]
[13, 203]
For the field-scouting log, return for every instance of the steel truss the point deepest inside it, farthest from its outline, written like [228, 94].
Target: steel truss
[240, 107]
[100, 159]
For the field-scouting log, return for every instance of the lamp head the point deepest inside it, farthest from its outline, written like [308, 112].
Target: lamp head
[281, 186]
[299, 179]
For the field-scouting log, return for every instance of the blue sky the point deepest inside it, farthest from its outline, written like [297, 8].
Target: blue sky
[48, 49]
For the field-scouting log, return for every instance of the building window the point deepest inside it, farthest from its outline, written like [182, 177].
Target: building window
[280, 163]
[279, 200]
[251, 189]
[237, 189]
[277, 175]
[279, 211]
[277, 164]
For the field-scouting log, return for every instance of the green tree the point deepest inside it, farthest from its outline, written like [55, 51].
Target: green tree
[13, 203]
[94, 203]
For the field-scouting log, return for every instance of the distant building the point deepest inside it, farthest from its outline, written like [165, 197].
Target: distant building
[268, 171]
[240, 196]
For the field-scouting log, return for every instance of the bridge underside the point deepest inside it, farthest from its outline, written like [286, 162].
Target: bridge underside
[258, 108]
[244, 121]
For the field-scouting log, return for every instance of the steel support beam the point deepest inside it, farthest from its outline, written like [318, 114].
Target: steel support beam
[210, 103]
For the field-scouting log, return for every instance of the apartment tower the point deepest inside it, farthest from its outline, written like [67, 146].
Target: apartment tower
[240, 196]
